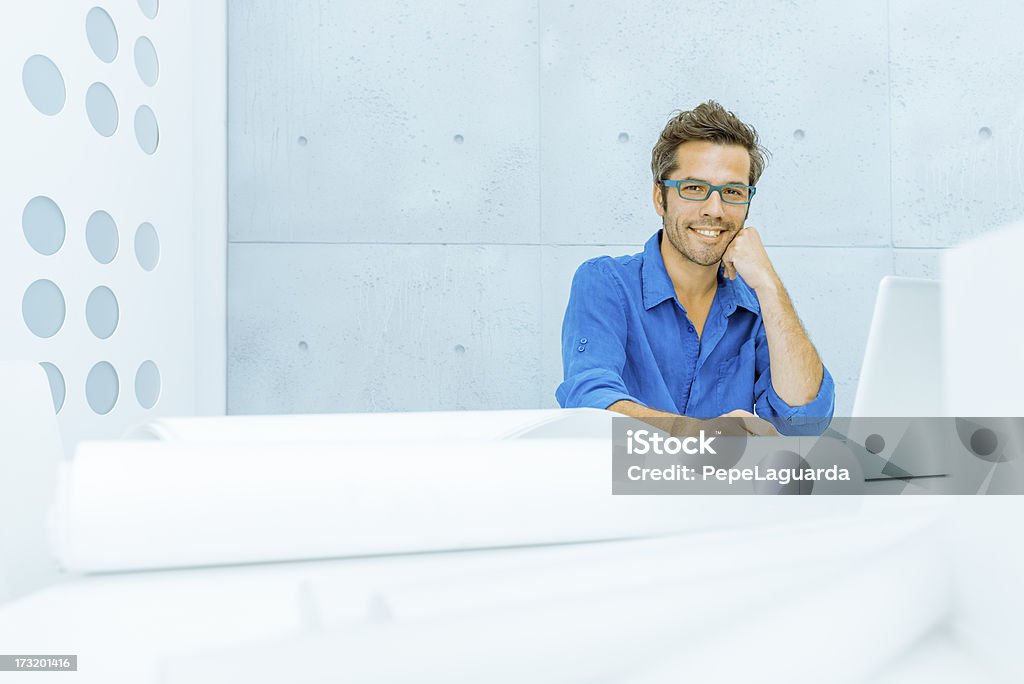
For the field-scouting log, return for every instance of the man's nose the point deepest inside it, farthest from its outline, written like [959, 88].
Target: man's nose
[712, 206]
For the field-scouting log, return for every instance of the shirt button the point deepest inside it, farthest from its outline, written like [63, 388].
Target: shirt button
[690, 328]
[580, 348]
[583, 340]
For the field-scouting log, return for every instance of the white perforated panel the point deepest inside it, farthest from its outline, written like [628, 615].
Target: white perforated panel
[100, 179]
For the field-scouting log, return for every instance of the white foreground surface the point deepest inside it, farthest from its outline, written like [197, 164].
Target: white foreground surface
[827, 598]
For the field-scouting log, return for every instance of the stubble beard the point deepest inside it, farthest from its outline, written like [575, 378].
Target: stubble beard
[687, 245]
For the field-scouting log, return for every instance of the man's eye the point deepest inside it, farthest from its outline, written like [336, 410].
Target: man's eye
[693, 188]
[734, 192]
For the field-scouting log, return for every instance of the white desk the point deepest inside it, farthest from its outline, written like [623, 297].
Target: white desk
[673, 605]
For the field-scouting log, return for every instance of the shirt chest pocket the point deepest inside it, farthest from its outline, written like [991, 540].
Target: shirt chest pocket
[736, 380]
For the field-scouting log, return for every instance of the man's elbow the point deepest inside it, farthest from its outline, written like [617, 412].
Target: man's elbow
[802, 393]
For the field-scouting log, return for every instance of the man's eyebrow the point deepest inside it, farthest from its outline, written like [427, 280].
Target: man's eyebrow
[703, 180]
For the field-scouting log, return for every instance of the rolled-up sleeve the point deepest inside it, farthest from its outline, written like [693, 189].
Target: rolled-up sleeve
[593, 341]
[812, 418]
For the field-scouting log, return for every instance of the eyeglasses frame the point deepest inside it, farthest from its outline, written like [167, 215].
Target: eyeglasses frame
[678, 185]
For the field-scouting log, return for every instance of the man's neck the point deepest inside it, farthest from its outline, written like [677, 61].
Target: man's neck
[691, 281]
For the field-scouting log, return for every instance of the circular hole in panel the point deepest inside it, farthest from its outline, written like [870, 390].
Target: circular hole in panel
[101, 312]
[147, 246]
[43, 224]
[984, 132]
[798, 134]
[101, 388]
[101, 237]
[303, 141]
[623, 137]
[459, 139]
[101, 107]
[99, 28]
[43, 84]
[147, 385]
[146, 63]
[149, 7]
[43, 308]
[147, 133]
[58, 390]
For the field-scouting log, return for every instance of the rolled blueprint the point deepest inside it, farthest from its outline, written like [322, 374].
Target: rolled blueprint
[133, 505]
[419, 426]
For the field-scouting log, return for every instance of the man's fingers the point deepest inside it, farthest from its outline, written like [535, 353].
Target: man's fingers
[751, 424]
[728, 260]
[728, 427]
[727, 266]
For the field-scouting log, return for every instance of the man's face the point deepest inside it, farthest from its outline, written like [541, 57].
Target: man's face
[718, 221]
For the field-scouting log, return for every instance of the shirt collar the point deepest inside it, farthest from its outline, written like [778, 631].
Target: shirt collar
[738, 293]
[657, 286]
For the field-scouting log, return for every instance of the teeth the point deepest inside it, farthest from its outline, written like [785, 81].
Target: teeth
[708, 233]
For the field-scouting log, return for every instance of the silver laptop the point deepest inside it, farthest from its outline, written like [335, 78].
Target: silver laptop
[900, 379]
[902, 371]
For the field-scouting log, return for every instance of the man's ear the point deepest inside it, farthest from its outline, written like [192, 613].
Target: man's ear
[659, 199]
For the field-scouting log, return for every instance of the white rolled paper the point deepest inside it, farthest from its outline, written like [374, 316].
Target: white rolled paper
[418, 426]
[140, 505]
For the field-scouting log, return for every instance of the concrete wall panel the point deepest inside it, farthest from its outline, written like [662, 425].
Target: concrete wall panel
[336, 328]
[383, 122]
[957, 120]
[917, 263]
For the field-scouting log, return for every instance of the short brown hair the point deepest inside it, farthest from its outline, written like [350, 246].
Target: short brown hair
[707, 121]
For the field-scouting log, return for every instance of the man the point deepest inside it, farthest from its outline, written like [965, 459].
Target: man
[698, 324]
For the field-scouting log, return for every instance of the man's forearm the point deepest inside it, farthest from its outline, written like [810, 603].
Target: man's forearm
[673, 422]
[635, 410]
[733, 423]
[796, 367]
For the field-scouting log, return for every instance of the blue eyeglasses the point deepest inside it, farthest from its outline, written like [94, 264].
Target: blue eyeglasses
[698, 191]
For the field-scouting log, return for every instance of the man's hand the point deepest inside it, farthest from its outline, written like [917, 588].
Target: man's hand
[735, 423]
[746, 255]
[751, 423]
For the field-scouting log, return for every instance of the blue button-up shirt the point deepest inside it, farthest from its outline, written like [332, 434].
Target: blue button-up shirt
[626, 336]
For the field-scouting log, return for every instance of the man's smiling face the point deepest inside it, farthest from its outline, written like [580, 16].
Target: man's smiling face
[701, 231]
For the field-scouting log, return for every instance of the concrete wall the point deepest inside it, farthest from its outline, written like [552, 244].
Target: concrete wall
[411, 185]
